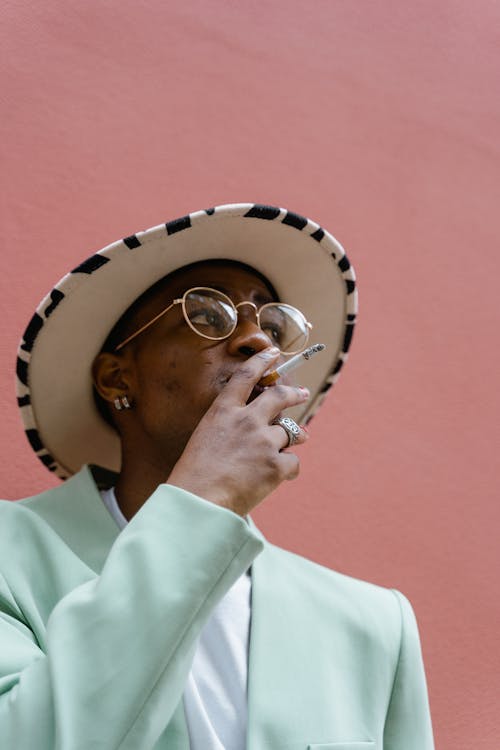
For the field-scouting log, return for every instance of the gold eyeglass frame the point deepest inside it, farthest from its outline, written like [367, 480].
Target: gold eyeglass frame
[182, 301]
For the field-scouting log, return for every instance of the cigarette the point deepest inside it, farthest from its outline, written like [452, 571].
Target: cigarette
[292, 364]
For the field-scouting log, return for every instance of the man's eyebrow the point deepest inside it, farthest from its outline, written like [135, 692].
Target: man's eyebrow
[260, 297]
[220, 288]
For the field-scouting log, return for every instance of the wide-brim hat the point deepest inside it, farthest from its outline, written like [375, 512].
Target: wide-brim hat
[305, 264]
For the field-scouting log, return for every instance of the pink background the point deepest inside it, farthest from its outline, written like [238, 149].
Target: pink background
[379, 120]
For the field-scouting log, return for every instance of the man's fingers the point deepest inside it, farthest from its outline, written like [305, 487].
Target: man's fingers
[246, 377]
[290, 465]
[277, 398]
[282, 439]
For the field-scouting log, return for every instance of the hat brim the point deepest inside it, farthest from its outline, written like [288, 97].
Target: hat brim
[305, 264]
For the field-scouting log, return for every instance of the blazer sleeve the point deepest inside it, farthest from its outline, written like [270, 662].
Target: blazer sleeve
[408, 723]
[117, 649]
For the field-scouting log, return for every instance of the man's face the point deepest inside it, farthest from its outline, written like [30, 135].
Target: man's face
[175, 374]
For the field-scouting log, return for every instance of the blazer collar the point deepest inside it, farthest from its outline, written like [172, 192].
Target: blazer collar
[76, 512]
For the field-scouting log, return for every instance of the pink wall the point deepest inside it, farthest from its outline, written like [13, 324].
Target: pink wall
[379, 120]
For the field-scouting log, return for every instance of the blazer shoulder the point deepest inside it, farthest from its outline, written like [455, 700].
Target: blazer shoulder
[365, 607]
[68, 519]
[75, 501]
[312, 572]
[17, 513]
[30, 515]
[23, 527]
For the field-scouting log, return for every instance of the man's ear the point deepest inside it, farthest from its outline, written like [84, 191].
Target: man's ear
[111, 376]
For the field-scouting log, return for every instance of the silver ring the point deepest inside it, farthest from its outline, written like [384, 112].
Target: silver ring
[291, 428]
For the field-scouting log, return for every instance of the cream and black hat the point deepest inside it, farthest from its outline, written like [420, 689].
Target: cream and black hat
[305, 264]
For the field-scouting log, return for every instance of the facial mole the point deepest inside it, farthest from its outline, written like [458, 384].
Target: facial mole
[174, 386]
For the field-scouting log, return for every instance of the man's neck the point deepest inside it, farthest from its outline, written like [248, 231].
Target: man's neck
[138, 479]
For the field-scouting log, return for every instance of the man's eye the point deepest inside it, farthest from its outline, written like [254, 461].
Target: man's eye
[274, 332]
[205, 317]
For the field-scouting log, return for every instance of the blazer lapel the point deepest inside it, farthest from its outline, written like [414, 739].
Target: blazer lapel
[270, 696]
[175, 736]
[286, 687]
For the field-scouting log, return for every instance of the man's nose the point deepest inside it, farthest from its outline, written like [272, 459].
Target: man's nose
[247, 338]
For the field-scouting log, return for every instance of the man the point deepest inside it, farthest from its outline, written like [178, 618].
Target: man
[126, 593]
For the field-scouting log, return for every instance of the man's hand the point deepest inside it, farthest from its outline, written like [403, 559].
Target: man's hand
[235, 456]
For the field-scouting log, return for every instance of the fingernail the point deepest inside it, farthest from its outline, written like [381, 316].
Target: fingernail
[305, 392]
[269, 353]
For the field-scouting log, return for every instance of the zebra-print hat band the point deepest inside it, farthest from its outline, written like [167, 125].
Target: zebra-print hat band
[305, 264]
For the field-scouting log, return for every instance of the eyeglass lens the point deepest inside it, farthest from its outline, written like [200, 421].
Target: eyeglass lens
[210, 314]
[285, 326]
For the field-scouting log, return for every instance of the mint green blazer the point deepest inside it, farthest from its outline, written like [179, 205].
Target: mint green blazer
[98, 629]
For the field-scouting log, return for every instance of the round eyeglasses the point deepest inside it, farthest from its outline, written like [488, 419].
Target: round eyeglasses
[213, 315]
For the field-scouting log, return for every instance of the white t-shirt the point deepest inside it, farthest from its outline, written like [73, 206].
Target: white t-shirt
[215, 696]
